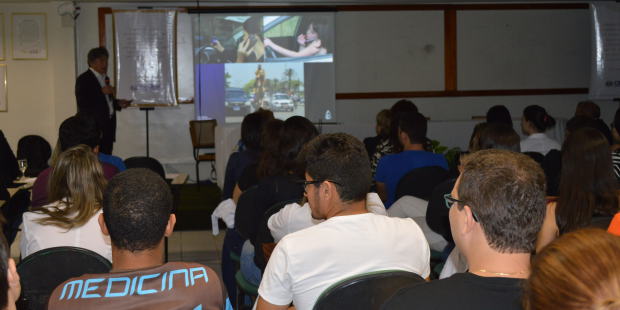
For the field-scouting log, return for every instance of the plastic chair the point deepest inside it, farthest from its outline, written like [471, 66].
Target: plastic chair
[203, 137]
[37, 151]
[420, 182]
[12, 211]
[264, 240]
[41, 272]
[146, 162]
[244, 288]
[366, 291]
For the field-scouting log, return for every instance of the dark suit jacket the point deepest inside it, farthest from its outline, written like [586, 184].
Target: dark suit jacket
[92, 101]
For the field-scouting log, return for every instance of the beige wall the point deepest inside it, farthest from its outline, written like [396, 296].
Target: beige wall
[40, 92]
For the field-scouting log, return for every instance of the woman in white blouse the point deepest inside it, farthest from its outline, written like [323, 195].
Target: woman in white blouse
[534, 123]
[76, 190]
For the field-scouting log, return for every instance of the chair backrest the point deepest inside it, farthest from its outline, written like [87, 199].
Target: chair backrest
[41, 272]
[536, 156]
[367, 291]
[37, 151]
[420, 182]
[263, 236]
[203, 133]
[12, 211]
[146, 162]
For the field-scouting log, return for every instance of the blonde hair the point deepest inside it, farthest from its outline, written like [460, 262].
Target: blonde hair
[580, 270]
[77, 183]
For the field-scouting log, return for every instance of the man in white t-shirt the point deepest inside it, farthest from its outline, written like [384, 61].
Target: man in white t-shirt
[349, 242]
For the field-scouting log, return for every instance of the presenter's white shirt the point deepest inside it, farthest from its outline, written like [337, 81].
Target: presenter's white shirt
[307, 262]
[101, 78]
[539, 142]
[294, 217]
[36, 237]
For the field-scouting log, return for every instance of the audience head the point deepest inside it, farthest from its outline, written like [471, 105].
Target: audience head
[340, 161]
[252, 126]
[412, 128]
[474, 140]
[504, 193]
[37, 151]
[77, 182]
[79, 129]
[98, 59]
[535, 120]
[270, 140]
[499, 136]
[383, 124]
[580, 270]
[499, 114]
[137, 207]
[9, 279]
[587, 184]
[582, 121]
[400, 107]
[296, 131]
[588, 109]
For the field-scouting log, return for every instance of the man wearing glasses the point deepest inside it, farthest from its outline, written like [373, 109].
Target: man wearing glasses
[497, 207]
[349, 242]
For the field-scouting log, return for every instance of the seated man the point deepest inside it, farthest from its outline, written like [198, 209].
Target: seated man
[497, 207]
[391, 168]
[73, 131]
[349, 242]
[136, 215]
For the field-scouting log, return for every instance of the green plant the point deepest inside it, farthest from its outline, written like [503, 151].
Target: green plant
[451, 154]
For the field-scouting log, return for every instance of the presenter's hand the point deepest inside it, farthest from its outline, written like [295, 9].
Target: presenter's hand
[124, 103]
[108, 90]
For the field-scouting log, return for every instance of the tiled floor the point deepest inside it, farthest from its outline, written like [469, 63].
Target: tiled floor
[196, 246]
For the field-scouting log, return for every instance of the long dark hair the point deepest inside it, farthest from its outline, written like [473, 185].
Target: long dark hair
[539, 118]
[587, 183]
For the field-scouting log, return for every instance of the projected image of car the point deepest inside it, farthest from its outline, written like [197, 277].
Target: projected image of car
[282, 103]
[302, 38]
[237, 102]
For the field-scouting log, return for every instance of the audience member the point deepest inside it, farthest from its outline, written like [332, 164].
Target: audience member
[391, 168]
[76, 189]
[499, 114]
[496, 209]
[591, 110]
[36, 151]
[251, 128]
[73, 131]
[10, 287]
[578, 271]
[392, 145]
[587, 186]
[474, 140]
[499, 136]
[308, 261]
[534, 123]
[9, 170]
[382, 129]
[581, 121]
[615, 153]
[137, 216]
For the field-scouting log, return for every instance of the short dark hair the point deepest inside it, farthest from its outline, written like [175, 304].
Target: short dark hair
[414, 125]
[78, 129]
[251, 128]
[588, 109]
[499, 136]
[397, 109]
[4, 271]
[341, 158]
[506, 191]
[96, 53]
[136, 207]
[499, 114]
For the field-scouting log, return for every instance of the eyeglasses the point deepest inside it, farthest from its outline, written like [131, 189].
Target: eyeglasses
[305, 183]
[451, 200]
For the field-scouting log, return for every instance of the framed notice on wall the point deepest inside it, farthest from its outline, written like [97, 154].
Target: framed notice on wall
[2, 37]
[3, 91]
[29, 35]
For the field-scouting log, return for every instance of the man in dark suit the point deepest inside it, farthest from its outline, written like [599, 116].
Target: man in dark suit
[95, 97]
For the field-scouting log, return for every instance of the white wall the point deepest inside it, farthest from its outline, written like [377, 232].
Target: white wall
[40, 92]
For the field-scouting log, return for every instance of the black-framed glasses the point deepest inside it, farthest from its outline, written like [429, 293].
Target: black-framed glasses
[305, 183]
[450, 201]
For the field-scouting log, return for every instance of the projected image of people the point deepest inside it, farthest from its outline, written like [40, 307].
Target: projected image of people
[226, 39]
[276, 86]
[301, 38]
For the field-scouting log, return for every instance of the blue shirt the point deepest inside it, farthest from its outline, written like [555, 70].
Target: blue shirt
[393, 167]
[112, 160]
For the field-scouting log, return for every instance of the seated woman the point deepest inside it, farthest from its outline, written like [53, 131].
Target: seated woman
[534, 123]
[313, 42]
[71, 219]
[587, 186]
